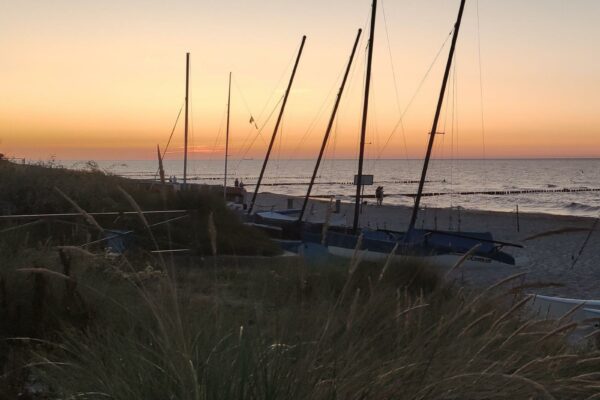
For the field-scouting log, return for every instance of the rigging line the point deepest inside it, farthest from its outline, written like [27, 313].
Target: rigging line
[258, 133]
[417, 90]
[585, 242]
[363, 89]
[481, 94]
[214, 146]
[252, 123]
[244, 101]
[343, 104]
[387, 35]
[452, 121]
[280, 140]
[254, 120]
[193, 138]
[277, 85]
[170, 137]
[312, 124]
[273, 92]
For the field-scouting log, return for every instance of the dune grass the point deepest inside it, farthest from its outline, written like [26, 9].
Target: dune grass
[32, 189]
[279, 329]
[84, 326]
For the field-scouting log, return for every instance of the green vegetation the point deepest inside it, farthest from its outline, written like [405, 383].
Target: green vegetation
[76, 324]
[28, 189]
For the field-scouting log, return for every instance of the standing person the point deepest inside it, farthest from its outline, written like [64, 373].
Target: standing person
[241, 185]
[379, 195]
[236, 183]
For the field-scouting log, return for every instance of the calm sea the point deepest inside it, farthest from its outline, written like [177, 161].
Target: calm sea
[398, 177]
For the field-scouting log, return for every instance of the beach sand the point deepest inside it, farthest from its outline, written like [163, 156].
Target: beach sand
[552, 242]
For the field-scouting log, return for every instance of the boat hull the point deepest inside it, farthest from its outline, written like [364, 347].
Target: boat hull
[556, 307]
[378, 245]
[438, 260]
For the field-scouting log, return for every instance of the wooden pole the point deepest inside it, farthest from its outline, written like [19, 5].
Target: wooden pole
[363, 130]
[432, 134]
[329, 126]
[185, 145]
[285, 97]
[227, 140]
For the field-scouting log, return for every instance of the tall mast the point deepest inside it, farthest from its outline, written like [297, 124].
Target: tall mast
[329, 126]
[161, 170]
[433, 132]
[227, 140]
[185, 145]
[363, 130]
[287, 92]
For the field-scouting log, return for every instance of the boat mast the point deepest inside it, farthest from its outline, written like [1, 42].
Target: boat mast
[227, 140]
[185, 145]
[329, 126]
[161, 170]
[285, 97]
[433, 132]
[363, 130]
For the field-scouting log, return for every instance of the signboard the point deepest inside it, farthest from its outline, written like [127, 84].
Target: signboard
[365, 181]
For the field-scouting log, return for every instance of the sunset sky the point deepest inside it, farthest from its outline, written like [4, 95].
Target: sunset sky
[105, 79]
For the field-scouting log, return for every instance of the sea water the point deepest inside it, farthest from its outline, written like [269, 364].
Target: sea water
[399, 179]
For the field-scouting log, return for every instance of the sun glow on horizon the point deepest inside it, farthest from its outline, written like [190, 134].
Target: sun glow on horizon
[105, 81]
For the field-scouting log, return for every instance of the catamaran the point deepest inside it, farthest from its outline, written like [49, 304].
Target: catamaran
[432, 246]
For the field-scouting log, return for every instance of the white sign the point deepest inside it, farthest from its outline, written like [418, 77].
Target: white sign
[365, 181]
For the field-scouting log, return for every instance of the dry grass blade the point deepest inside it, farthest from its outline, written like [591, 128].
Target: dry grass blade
[89, 219]
[44, 271]
[326, 223]
[353, 307]
[572, 311]
[513, 309]
[537, 386]
[406, 311]
[516, 333]
[212, 233]
[560, 329]
[545, 360]
[475, 323]
[505, 280]
[593, 360]
[463, 259]
[78, 250]
[594, 376]
[591, 335]
[25, 225]
[141, 215]
[357, 255]
[388, 261]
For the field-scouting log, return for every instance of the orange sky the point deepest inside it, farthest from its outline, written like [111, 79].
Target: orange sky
[104, 80]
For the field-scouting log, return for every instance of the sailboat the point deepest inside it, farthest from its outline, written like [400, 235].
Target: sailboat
[291, 220]
[437, 247]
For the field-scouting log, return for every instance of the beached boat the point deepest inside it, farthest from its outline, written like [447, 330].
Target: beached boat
[556, 307]
[438, 247]
[442, 248]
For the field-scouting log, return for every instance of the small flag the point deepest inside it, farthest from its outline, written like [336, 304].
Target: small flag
[252, 121]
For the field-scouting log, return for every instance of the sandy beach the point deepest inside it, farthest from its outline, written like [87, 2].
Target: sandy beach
[552, 242]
